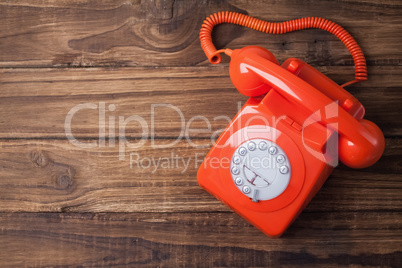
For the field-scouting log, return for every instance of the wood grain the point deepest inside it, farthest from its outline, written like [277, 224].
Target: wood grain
[198, 240]
[65, 206]
[56, 176]
[165, 33]
[35, 102]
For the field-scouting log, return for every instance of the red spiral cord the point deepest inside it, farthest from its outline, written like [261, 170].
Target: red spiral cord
[281, 28]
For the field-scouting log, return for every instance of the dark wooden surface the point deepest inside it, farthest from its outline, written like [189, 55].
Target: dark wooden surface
[61, 205]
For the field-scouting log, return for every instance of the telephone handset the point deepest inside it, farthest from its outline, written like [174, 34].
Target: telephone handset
[360, 141]
[280, 149]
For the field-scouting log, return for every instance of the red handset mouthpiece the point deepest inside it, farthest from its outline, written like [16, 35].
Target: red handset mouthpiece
[247, 82]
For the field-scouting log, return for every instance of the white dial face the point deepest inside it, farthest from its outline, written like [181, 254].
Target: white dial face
[260, 169]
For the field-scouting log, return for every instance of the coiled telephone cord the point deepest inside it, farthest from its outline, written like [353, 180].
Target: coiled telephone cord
[281, 28]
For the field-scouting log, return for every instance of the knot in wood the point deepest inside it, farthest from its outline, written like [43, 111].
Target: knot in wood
[39, 158]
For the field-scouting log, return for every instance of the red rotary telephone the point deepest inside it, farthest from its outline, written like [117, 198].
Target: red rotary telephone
[281, 147]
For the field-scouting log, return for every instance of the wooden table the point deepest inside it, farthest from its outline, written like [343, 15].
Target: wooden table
[93, 61]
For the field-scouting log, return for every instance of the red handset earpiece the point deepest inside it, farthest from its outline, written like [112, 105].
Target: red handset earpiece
[365, 149]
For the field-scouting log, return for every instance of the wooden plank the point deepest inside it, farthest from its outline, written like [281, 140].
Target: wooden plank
[198, 240]
[56, 176]
[91, 208]
[34, 103]
[165, 33]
